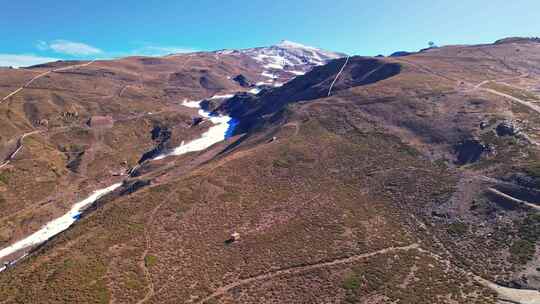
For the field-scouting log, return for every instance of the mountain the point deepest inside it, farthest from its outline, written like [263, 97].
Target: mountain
[285, 60]
[410, 179]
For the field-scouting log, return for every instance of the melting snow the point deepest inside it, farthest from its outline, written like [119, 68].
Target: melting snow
[297, 72]
[221, 96]
[291, 44]
[269, 75]
[223, 128]
[58, 225]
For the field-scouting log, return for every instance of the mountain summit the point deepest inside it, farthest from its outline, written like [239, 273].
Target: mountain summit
[286, 59]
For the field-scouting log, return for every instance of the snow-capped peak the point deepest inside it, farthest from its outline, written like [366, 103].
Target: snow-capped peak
[291, 44]
[286, 60]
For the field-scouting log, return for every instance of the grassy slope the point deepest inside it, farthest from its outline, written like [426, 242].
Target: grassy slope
[361, 171]
[308, 198]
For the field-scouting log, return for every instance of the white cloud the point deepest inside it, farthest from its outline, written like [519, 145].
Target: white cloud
[42, 45]
[16, 60]
[68, 47]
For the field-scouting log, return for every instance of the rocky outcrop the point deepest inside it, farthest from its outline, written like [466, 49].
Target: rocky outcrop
[469, 151]
[507, 128]
[243, 81]
[161, 136]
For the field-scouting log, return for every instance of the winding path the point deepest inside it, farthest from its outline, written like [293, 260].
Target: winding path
[298, 269]
[44, 74]
[530, 105]
[19, 148]
[505, 294]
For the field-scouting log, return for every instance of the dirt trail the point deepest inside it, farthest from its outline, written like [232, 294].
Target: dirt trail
[44, 74]
[530, 105]
[478, 86]
[19, 148]
[511, 295]
[142, 263]
[502, 80]
[518, 296]
[298, 269]
[505, 294]
[337, 76]
[513, 199]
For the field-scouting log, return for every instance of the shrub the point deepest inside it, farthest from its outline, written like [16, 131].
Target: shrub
[4, 178]
[530, 228]
[457, 228]
[150, 260]
[533, 170]
[522, 251]
[351, 283]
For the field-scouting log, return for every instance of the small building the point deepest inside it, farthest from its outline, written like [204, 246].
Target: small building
[101, 122]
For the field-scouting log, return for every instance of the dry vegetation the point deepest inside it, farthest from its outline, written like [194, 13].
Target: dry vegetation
[359, 200]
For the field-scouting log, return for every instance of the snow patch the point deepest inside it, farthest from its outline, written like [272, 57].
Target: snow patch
[221, 96]
[58, 225]
[268, 75]
[222, 129]
[291, 44]
[299, 73]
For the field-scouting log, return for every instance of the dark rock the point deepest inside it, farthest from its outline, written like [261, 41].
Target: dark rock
[524, 180]
[155, 132]
[162, 136]
[483, 125]
[75, 160]
[439, 214]
[469, 151]
[243, 81]
[506, 128]
[133, 186]
[195, 121]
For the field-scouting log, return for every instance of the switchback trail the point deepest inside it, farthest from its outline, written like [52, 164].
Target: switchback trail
[298, 269]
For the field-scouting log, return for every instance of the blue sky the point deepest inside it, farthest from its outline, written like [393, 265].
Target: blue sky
[38, 30]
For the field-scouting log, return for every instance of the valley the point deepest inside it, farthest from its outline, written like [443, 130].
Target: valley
[280, 174]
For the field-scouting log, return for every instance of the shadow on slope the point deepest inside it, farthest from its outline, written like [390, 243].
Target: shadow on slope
[359, 71]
